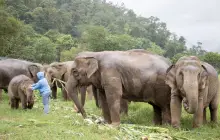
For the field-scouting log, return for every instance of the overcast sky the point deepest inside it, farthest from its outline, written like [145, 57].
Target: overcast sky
[196, 20]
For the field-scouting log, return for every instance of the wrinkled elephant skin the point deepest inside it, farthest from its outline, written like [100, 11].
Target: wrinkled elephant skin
[10, 68]
[18, 90]
[134, 75]
[194, 84]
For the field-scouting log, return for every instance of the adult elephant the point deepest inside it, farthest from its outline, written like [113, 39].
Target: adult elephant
[61, 71]
[53, 85]
[195, 83]
[10, 68]
[135, 75]
[123, 104]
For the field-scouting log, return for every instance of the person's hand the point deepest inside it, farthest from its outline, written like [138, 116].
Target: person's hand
[30, 87]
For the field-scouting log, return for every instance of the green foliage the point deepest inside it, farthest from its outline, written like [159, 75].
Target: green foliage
[96, 25]
[213, 59]
[69, 55]
[176, 57]
[156, 49]
[174, 47]
[44, 50]
[95, 36]
[197, 50]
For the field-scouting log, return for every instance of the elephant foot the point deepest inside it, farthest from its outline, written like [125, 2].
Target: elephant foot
[75, 109]
[196, 125]
[175, 125]
[115, 124]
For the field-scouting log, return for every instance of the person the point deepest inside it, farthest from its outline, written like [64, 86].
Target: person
[44, 88]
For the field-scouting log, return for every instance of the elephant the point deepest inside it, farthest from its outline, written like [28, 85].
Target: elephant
[123, 105]
[61, 71]
[19, 90]
[89, 92]
[10, 68]
[134, 75]
[53, 86]
[194, 84]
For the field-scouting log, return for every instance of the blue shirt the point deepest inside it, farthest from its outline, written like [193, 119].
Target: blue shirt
[42, 85]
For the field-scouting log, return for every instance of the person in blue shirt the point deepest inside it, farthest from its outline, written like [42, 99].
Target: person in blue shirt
[44, 88]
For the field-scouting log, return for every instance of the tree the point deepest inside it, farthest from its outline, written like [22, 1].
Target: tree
[10, 28]
[95, 36]
[156, 49]
[213, 59]
[69, 55]
[44, 50]
[197, 50]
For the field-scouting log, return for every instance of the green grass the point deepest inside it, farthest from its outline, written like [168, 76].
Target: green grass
[64, 124]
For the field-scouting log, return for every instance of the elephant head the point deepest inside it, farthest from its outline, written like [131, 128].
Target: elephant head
[55, 70]
[34, 69]
[82, 73]
[29, 93]
[187, 77]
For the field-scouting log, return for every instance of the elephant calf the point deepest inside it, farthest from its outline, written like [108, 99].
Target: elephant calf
[18, 90]
[195, 84]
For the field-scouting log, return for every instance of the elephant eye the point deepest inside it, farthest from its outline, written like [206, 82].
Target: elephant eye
[181, 75]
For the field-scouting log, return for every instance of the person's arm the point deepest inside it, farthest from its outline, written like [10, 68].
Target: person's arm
[36, 86]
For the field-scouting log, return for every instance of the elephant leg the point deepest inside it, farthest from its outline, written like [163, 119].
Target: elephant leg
[24, 102]
[54, 92]
[96, 96]
[204, 116]
[13, 103]
[89, 92]
[83, 95]
[17, 103]
[175, 107]
[157, 115]
[104, 106]
[198, 116]
[113, 92]
[124, 106]
[213, 107]
[166, 115]
[65, 95]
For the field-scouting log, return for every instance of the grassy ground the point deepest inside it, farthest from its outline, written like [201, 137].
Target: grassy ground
[64, 124]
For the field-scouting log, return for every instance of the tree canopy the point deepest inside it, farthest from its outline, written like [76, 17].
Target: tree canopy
[53, 30]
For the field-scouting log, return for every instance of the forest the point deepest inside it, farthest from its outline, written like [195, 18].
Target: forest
[45, 31]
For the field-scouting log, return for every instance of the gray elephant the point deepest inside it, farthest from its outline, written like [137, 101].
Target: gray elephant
[123, 104]
[195, 84]
[10, 68]
[135, 75]
[53, 85]
[19, 90]
[61, 71]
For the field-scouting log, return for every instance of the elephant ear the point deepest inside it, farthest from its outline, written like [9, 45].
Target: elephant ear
[171, 77]
[203, 78]
[33, 69]
[92, 66]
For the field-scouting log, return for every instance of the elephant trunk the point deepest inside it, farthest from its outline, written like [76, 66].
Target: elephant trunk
[73, 94]
[30, 99]
[191, 90]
